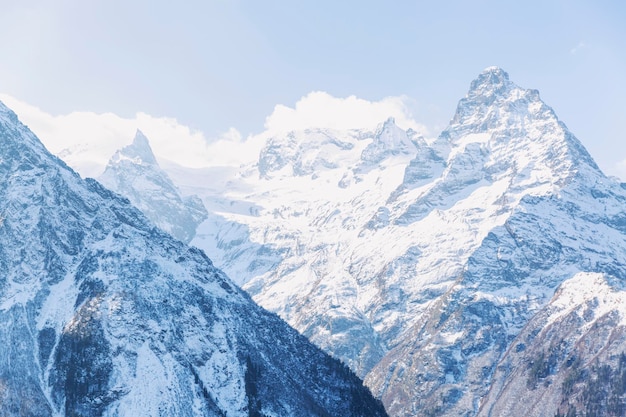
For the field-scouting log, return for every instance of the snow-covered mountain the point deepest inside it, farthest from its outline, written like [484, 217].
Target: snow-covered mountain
[134, 172]
[519, 209]
[420, 262]
[477, 273]
[102, 313]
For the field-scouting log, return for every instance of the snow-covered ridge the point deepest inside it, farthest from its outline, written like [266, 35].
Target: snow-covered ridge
[569, 355]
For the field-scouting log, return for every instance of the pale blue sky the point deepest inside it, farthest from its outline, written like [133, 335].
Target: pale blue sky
[217, 64]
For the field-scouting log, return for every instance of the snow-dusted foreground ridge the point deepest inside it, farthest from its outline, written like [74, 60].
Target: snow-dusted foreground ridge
[103, 314]
[430, 266]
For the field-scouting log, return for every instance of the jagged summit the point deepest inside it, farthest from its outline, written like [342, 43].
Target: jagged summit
[517, 128]
[491, 81]
[391, 121]
[134, 172]
[492, 88]
[139, 151]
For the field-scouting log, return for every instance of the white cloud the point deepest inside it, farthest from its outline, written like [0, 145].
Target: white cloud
[320, 109]
[231, 149]
[86, 140]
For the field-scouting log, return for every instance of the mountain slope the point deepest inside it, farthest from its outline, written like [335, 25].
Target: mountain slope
[570, 357]
[536, 211]
[134, 172]
[101, 313]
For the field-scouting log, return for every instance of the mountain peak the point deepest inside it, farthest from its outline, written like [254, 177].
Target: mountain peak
[391, 121]
[491, 81]
[134, 173]
[140, 139]
[139, 151]
[493, 90]
[498, 114]
[389, 139]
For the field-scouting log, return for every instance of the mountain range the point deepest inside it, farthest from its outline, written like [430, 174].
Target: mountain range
[480, 272]
[104, 314]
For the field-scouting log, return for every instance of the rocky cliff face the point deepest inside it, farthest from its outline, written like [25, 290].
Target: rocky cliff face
[102, 313]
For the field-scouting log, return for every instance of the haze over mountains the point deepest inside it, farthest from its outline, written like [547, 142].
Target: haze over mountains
[477, 273]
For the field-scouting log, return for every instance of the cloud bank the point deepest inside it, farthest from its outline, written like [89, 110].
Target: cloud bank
[87, 140]
[320, 109]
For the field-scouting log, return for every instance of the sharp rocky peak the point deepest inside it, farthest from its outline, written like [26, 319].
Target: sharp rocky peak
[134, 173]
[501, 115]
[492, 81]
[494, 100]
[139, 151]
[388, 124]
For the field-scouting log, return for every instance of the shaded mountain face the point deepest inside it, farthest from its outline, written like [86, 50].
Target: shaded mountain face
[570, 358]
[102, 313]
[134, 172]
